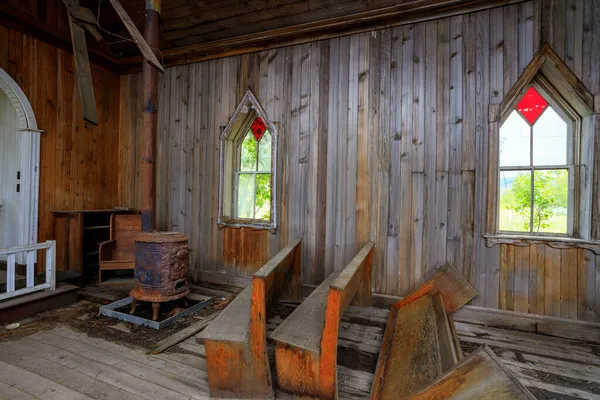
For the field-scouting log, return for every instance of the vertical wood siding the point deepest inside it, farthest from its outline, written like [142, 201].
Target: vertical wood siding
[383, 137]
[78, 161]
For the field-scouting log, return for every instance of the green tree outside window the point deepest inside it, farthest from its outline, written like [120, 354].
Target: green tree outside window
[254, 178]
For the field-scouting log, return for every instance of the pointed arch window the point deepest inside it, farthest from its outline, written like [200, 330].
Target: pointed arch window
[248, 160]
[541, 156]
[537, 162]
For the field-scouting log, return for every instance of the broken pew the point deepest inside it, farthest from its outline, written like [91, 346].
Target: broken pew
[236, 341]
[420, 342]
[306, 342]
[481, 376]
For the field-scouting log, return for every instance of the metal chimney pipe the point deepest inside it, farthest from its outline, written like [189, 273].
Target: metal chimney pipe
[149, 123]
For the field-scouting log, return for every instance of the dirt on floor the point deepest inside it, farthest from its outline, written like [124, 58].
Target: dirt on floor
[84, 316]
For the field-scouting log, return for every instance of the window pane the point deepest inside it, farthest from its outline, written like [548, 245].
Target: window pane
[551, 201]
[258, 128]
[515, 201]
[264, 152]
[550, 139]
[248, 153]
[514, 141]
[263, 196]
[532, 105]
[245, 196]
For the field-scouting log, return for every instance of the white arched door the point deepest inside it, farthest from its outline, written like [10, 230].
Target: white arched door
[19, 167]
[11, 165]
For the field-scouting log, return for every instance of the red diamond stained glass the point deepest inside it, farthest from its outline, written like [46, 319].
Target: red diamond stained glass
[258, 128]
[532, 105]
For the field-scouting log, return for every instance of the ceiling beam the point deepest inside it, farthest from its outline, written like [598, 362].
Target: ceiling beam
[23, 22]
[401, 14]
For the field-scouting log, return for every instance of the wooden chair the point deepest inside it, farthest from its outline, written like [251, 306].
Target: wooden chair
[420, 342]
[306, 342]
[119, 252]
[236, 341]
[479, 376]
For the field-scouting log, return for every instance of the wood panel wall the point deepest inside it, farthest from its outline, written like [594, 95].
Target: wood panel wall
[78, 161]
[383, 137]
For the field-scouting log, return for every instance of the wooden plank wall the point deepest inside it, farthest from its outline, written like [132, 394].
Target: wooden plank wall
[78, 161]
[383, 137]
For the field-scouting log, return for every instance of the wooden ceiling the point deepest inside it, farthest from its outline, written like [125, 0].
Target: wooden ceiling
[194, 30]
[187, 22]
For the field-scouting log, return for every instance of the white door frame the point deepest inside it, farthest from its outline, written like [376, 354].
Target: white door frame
[30, 149]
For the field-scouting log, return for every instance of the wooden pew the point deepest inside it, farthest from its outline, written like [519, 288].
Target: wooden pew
[420, 342]
[481, 376]
[236, 341]
[306, 342]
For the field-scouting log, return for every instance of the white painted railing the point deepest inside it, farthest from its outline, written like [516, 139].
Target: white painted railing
[30, 251]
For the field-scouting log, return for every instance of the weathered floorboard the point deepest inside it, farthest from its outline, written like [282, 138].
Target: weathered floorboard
[550, 367]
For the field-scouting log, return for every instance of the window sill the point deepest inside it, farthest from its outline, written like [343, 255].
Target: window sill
[247, 223]
[557, 242]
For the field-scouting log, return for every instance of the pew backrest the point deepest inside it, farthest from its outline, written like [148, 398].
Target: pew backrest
[306, 342]
[236, 341]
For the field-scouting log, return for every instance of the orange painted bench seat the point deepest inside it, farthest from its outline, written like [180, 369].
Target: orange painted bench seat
[236, 341]
[306, 342]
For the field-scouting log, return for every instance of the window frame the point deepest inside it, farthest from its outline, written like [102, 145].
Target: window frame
[566, 88]
[573, 121]
[231, 138]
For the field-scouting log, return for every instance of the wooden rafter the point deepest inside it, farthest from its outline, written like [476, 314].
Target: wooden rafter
[138, 39]
[17, 19]
[81, 18]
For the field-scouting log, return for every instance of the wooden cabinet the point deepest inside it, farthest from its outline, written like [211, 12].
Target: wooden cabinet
[77, 234]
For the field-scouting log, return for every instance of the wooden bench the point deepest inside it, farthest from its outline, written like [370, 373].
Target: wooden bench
[420, 342]
[306, 342]
[479, 376]
[236, 341]
[119, 252]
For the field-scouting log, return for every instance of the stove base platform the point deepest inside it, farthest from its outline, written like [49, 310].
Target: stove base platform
[112, 310]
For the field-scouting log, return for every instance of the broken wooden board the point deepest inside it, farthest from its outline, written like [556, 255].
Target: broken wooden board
[427, 312]
[481, 376]
[236, 341]
[421, 348]
[84, 74]
[138, 39]
[456, 290]
[306, 342]
[84, 16]
[183, 334]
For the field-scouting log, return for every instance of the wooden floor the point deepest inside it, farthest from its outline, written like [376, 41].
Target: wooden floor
[65, 364]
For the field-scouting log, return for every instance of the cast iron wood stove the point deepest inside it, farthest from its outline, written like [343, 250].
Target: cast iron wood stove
[161, 269]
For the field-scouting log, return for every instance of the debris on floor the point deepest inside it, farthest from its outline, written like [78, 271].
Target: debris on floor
[84, 317]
